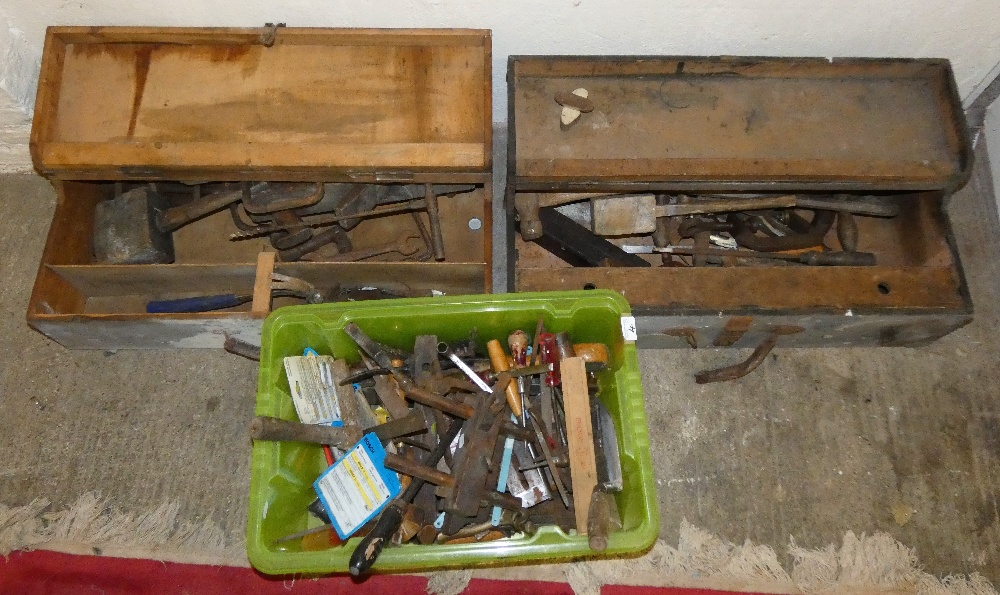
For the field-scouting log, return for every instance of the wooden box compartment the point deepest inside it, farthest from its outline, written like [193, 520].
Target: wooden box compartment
[119, 108]
[892, 130]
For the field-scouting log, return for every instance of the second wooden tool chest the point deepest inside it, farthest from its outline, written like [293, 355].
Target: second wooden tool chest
[188, 161]
[740, 200]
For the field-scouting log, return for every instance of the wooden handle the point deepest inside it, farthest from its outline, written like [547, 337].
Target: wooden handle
[171, 219]
[592, 352]
[599, 520]
[498, 360]
[415, 469]
[847, 231]
[272, 428]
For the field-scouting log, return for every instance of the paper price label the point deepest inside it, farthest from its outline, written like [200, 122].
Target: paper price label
[629, 331]
[357, 486]
[313, 389]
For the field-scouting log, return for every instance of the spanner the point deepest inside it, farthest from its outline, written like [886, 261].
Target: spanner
[405, 246]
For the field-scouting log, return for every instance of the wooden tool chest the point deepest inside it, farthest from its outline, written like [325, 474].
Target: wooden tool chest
[613, 152]
[287, 115]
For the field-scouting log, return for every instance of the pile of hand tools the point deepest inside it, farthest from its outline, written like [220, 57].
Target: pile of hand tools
[300, 219]
[489, 441]
[592, 229]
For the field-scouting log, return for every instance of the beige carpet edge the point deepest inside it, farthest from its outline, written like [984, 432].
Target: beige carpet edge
[94, 526]
[874, 563]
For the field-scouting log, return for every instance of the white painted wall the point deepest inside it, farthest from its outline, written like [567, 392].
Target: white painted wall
[965, 31]
[991, 130]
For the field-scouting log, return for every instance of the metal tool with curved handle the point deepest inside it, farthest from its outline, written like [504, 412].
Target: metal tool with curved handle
[750, 364]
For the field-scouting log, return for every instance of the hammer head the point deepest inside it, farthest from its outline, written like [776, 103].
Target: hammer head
[125, 231]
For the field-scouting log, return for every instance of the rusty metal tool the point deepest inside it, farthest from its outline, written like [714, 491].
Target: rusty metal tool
[242, 348]
[406, 246]
[324, 220]
[465, 496]
[271, 428]
[602, 514]
[356, 199]
[348, 204]
[609, 466]
[808, 233]
[466, 348]
[524, 479]
[750, 364]
[426, 368]
[468, 371]
[281, 286]
[124, 232]
[468, 487]
[333, 234]
[525, 452]
[471, 464]
[437, 239]
[578, 246]
[297, 287]
[281, 206]
[549, 461]
[173, 218]
[812, 257]
[629, 213]
[516, 521]
[382, 357]
[391, 517]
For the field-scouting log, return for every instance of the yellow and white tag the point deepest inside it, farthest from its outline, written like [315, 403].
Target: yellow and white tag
[357, 486]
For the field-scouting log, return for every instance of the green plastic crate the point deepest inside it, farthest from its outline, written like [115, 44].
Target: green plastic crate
[282, 473]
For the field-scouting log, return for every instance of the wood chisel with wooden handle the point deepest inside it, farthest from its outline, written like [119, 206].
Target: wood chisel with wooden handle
[498, 359]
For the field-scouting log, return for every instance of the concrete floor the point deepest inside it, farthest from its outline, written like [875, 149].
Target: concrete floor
[814, 443]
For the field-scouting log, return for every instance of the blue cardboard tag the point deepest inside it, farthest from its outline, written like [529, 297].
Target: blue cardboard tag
[357, 487]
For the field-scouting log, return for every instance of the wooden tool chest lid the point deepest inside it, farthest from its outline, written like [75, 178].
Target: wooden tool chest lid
[179, 103]
[740, 123]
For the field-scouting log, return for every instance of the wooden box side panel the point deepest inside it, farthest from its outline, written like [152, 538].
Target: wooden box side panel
[885, 124]
[882, 329]
[364, 100]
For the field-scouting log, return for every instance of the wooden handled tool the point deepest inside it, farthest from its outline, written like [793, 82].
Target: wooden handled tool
[419, 471]
[498, 359]
[270, 428]
[392, 517]
[171, 219]
[602, 519]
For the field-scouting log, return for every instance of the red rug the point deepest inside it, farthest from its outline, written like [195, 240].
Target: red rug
[50, 573]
